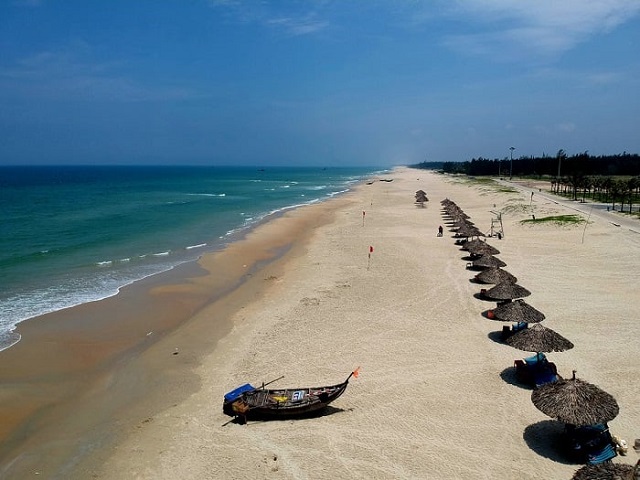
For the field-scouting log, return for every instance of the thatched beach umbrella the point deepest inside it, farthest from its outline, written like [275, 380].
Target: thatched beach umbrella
[469, 231]
[458, 222]
[507, 291]
[488, 261]
[495, 276]
[538, 338]
[481, 249]
[470, 243]
[575, 402]
[518, 311]
[606, 471]
[421, 197]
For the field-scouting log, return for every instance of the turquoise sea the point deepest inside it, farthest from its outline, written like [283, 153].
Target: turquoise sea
[72, 234]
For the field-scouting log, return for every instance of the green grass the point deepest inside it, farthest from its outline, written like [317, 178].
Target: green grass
[517, 208]
[486, 184]
[556, 220]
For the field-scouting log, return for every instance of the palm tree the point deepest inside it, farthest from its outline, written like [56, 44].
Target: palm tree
[617, 188]
[632, 187]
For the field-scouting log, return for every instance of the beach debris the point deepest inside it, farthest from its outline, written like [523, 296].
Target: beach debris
[621, 445]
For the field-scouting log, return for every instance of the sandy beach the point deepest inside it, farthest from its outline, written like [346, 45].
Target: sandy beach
[435, 397]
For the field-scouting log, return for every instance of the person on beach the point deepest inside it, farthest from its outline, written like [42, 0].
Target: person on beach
[440, 231]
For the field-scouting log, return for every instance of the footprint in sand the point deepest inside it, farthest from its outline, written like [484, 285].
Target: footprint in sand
[307, 302]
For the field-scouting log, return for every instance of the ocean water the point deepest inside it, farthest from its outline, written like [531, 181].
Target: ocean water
[70, 235]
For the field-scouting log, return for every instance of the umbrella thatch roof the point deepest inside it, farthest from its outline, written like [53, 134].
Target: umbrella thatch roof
[507, 291]
[458, 222]
[481, 249]
[538, 338]
[469, 231]
[606, 471]
[495, 275]
[475, 241]
[575, 401]
[518, 311]
[421, 196]
[488, 261]
[455, 211]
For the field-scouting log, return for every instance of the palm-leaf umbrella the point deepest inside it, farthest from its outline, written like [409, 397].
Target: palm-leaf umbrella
[495, 276]
[575, 401]
[455, 212]
[421, 196]
[538, 338]
[606, 471]
[507, 291]
[481, 249]
[488, 261]
[469, 243]
[518, 311]
[469, 231]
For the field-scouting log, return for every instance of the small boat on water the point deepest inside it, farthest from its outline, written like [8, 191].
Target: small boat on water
[248, 401]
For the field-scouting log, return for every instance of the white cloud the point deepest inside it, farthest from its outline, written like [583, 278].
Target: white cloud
[292, 18]
[298, 26]
[541, 27]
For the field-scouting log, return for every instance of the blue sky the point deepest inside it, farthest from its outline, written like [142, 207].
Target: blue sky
[344, 82]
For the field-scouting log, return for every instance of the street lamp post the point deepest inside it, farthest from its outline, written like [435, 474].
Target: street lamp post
[511, 163]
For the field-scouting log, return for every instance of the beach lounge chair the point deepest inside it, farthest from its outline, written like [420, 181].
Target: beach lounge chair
[516, 327]
[536, 371]
[545, 374]
[535, 359]
[605, 455]
[507, 331]
[591, 443]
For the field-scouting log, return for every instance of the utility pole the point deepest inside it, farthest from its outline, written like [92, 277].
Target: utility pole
[511, 164]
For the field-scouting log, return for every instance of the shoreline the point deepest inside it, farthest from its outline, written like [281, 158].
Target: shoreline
[63, 354]
[434, 397]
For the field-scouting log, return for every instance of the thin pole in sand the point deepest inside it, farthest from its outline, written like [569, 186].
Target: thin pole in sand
[369, 261]
[363, 214]
[586, 223]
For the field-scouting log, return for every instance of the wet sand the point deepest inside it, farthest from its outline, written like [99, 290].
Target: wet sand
[436, 396]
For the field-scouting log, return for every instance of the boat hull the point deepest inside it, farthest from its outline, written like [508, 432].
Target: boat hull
[282, 403]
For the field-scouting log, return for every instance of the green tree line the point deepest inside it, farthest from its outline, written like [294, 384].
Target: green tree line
[605, 178]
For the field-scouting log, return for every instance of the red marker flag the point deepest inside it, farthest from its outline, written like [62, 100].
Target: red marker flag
[370, 249]
[369, 260]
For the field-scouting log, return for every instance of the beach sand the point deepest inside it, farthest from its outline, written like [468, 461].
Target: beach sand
[435, 397]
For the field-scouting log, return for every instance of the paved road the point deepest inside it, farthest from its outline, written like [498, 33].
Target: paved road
[601, 210]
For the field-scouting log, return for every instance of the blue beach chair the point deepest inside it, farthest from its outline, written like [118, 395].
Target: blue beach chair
[606, 454]
[537, 358]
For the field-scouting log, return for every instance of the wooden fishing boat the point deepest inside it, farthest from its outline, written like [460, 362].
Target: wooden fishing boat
[248, 401]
